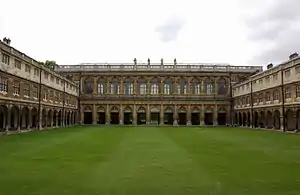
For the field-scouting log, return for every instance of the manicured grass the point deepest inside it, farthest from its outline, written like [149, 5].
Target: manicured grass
[150, 161]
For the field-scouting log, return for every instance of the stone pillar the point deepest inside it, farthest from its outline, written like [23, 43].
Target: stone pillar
[95, 79]
[63, 114]
[8, 121]
[148, 114]
[107, 112]
[161, 86]
[161, 115]
[94, 115]
[122, 85]
[189, 115]
[281, 123]
[40, 125]
[215, 115]
[188, 90]
[108, 90]
[56, 118]
[175, 86]
[148, 87]
[81, 115]
[202, 115]
[19, 118]
[215, 86]
[134, 115]
[134, 86]
[29, 118]
[121, 115]
[46, 119]
[175, 116]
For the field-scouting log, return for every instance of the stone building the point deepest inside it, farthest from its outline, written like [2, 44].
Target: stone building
[32, 96]
[270, 99]
[156, 93]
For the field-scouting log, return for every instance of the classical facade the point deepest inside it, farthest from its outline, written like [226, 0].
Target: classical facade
[156, 93]
[270, 99]
[32, 96]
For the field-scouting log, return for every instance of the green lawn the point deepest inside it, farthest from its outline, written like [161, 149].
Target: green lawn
[150, 161]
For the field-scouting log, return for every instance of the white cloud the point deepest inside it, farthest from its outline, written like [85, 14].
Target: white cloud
[77, 31]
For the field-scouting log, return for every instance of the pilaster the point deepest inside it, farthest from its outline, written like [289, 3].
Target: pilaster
[121, 115]
[148, 115]
[94, 115]
[161, 115]
[107, 112]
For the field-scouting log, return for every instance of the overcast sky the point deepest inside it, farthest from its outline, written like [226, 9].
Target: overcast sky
[238, 32]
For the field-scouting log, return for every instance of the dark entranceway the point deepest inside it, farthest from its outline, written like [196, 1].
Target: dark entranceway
[221, 118]
[182, 119]
[154, 118]
[127, 118]
[168, 118]
[208, 118]
[114, 118]
[141, 118]
[88, 118]
[195, 120]
[255, 121]
[101, 118]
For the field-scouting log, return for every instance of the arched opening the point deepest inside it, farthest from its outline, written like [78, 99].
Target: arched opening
[128, 86]
[68, 118]
[114, 116]
[182, 86]
[195, 86]
[154, 115]
[195, 118]
[24, 118]
[34, 118]
[3, 117]
[208, 87]
[101, 87]
[54, 118]
[277, 119]
[168, 116]
[44, 118]
[262, 119]
[249, 119]
[101, 115]
[141, 116]
[255, 120]
[240, 119]
[114, 86]
[88, 86]
[182, 117]
[222, 88]
[142, 86]
[270, 120]
[14, 120]
[290, 120]
[222, 117]
[88, 115]
[208, 116]
[168, 86]
[127, 116]
[50, 117]
[154, 86]
[59, 118]
[298, 120]
[244, 120]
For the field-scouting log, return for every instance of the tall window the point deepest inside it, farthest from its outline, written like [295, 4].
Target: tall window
[260, 97]
[88, 86]
[36, 72]
[248, 100]
[288, 92]
[35, 92]
[128, 86]
[45, 94]
[101, 86]
[276, 95]
[143, 89]
[17, 64]
[16, 86]
[27, 68]
[142, 86]
[268, 97]
[182, 86]
[3, 84]
[5, 59]
[114, 86]
[195, 86]
[298, 91]
[208, 87]
[168, 86]
[26, 90]
[222, 87]
[154, 86]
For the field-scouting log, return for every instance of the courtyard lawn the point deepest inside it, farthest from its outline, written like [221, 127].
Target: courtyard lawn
[150, 161]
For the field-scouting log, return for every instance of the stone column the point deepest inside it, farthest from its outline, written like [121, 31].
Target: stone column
[108, 86]
[189, 115]
[81, 115]
[175, 86]
[188, 90]
[215, 115]
[46, 119]
[56, 118]
[107, 112]
[63, 113]
[121, 115]
[161, 86]
[202, 115]
[148, 115]
[19, 122]
[215, 86]
[122, 85]
[8, 121]
[40, 125]
[148, 87]
[161, 115]
[94, 115]
[134, 85]
[175, 115]
[281, 123]
[95, 79]
[29, 118]
[134, 115]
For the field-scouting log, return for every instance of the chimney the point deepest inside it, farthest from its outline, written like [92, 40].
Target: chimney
[6, 40]
[269, 66]
[294, 55]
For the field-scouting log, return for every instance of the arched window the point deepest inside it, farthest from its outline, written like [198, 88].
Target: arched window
[101, 86]
[195, 86]
[128, 86]
[182, 86]
[88, 86]
[154, 86]
[114, 86]
[276, 95]
[222, 87]
[208, 87]
[168, 86]
[142, 86]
